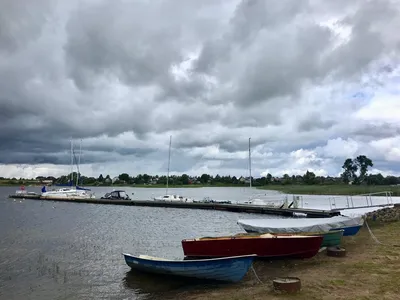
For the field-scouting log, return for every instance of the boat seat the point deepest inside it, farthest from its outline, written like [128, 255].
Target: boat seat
[153, 257]
[267, 235]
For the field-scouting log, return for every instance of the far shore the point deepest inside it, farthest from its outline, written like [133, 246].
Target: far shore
[334, 189]
[300, 189]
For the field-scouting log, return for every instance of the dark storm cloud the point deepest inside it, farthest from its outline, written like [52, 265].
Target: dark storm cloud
[101, 68]
[314, 121]
[370, 131]
[226, 141]
[21, 22]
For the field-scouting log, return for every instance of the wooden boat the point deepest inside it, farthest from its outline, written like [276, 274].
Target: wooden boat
[330, 238]
[232, 268]
[264, 245]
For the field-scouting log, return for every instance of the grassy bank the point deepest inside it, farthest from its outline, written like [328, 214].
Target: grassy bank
[369, 271]
[339, 189]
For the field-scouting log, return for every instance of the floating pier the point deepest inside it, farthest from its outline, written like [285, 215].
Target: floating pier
[247, 208]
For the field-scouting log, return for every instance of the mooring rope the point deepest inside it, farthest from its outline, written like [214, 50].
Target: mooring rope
[375, 238]
[372, 235]
[254, 271]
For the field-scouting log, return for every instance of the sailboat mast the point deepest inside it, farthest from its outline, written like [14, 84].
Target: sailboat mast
[250, 162]
[169, 161]
[79, 162]
[72, 163]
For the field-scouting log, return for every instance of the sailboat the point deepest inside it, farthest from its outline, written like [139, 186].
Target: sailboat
[171, 197]
[70, 192]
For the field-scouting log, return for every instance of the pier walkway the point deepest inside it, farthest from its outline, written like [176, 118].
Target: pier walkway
[288, 210]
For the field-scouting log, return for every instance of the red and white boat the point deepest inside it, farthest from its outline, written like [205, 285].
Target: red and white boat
[263, 245]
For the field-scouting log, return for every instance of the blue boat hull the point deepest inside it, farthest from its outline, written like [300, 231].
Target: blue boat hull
[349, 231]
[230, 269]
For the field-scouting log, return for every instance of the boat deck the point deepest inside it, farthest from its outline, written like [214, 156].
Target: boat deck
[247, 208]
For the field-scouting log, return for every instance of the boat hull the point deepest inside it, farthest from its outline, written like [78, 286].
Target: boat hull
[67, 194]
[350, 231]
[276, 247]
[230, 269]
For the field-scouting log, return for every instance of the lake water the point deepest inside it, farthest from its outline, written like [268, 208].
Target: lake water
[58, 250]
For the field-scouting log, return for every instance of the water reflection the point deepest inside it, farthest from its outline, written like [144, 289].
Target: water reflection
[162, 286]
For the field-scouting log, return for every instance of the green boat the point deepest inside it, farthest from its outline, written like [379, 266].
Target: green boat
[331, 238]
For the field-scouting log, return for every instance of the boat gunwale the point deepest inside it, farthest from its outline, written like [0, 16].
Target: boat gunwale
[257, 236]
[160, 259]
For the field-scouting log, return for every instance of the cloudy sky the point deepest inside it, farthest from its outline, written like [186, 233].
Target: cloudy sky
[311, 82]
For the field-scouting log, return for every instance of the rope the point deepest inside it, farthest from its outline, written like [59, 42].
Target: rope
[254, 271]
[374, 237]
[370, 232]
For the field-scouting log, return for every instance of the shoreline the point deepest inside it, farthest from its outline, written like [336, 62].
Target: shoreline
[368, 271]
[334, 190]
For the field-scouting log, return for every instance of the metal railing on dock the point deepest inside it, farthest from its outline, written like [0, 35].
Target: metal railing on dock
[364, 200]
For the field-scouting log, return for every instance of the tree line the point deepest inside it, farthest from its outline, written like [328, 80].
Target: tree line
[355, 171]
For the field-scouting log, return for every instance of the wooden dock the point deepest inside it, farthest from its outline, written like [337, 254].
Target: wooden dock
[310, 213]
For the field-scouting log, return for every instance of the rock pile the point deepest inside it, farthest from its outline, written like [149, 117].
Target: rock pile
[386, 215]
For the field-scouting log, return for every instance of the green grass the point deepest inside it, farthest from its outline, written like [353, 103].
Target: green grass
[334, 189]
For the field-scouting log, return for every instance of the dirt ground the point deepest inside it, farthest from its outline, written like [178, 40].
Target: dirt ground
[369, 271]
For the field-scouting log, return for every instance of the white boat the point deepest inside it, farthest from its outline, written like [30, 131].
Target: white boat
[256, 201]
[70, 192]
[173, 198]
[170, 197]
[24, 192]
[296, 225]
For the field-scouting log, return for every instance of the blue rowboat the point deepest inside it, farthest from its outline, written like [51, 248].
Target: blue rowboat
[232, 268]
[350, 230]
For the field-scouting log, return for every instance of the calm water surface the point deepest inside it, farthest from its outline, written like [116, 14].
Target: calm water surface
[57, 250]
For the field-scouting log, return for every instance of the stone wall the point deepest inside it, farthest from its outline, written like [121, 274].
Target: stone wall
[385, 215]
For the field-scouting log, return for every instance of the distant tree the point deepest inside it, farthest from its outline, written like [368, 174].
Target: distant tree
[217, 179]
[204, 178]
[286, 179]
[234, 180]
[146, 178]
[391, 180]
[162, 180]
[100, 179]
[362, 163]
[185, 179]
[269, 178]
[124, 177]
[309, 178]
[356, 169]
[350, 170]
